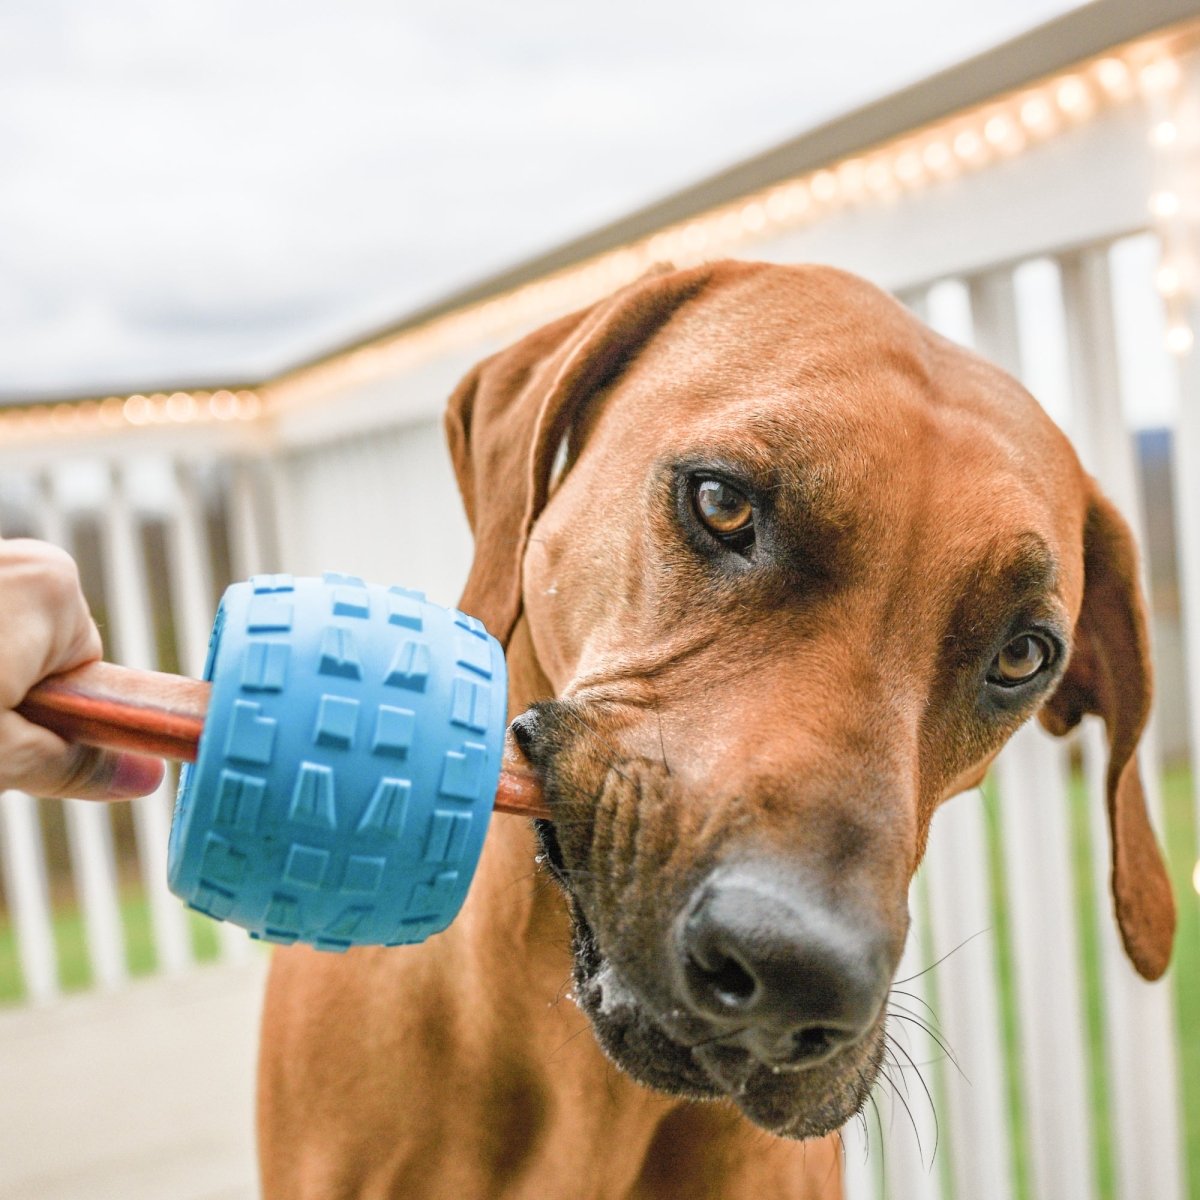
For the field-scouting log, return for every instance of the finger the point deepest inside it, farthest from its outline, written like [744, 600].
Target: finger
[39, 762]
[44, 616]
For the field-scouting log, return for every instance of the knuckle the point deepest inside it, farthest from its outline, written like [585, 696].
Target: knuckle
[49, 571]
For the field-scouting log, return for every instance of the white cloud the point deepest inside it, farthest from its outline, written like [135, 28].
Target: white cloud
[203, 189]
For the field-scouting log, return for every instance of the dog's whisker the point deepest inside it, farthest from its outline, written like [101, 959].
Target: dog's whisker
[584, 1028]
[936, 1038]
[897, 991]
[928, 1098]
[912, 1120]
[929, 1024]
[955, 950]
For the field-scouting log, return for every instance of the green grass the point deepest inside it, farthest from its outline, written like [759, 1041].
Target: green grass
[70, 941]
[1181, 837]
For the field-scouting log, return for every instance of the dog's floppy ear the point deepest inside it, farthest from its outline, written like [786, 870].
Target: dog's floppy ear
[1109, 674]
[506, 419]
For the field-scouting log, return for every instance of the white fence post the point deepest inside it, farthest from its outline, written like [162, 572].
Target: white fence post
[127, 588]
[89, 825]
[28, 896]
[968, 990]
[250, 537]
[191, 592]
[25, 887]
[1140, 1033]
[1032, 775]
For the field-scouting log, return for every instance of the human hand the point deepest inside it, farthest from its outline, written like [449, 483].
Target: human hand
[45, 628]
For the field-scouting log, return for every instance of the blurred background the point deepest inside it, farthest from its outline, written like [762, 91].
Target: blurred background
[247, 251]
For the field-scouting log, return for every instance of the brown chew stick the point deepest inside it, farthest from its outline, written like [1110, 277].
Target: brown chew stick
[101, 704]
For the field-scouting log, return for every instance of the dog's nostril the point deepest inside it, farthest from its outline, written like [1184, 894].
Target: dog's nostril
[814, 1043]
[523, 729]
[726, 980]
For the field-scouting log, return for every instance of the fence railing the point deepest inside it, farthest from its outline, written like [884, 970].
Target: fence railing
[1025, 1048]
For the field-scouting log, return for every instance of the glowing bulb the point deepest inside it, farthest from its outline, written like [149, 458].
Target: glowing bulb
[1161, 75]
[1180, 338]
[1113, 75]
[824, 186]
[111, 412]
[968, 145]
[877, 176]
[799, 197]
[137, 410]
[223, 405]
[1164, 134]
[1036, 114]
[729, 227]
[908, 167]
[937, 156]
[754, 217]
[850, 177]
[62, 417]
[998, 130]
[778, 206]
[1196, 876]
[1168, 280]
[1072, 96]
[1164, 204]
[180, 407]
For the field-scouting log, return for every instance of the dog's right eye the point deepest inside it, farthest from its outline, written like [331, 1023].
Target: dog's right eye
[726, 512]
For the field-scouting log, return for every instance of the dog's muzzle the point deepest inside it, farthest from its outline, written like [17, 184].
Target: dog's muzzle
[735, 975]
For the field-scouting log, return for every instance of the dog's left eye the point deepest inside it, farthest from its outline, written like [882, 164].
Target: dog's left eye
[724, 510]
[1022, 659]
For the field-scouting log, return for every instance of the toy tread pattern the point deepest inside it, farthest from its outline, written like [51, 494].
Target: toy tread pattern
[348, 764]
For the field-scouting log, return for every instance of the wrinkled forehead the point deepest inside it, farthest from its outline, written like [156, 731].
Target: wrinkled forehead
[851, 411]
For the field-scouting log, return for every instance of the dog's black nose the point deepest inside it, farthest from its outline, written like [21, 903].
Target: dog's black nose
[790, 978]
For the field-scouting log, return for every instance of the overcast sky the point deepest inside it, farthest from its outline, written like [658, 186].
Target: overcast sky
[207, 190]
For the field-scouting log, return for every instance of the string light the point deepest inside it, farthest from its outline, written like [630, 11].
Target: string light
[1073, 97]
[1165, 204]
[937, 157]
[1168, 280]
[1164, 134]
[908, 168]
[825, 186]
[968, 145]
[1159, 75]
[1115, 77]
[1159, 79]
[1036, 114]
[1179, 338]
[1196, 877]
[964, 141]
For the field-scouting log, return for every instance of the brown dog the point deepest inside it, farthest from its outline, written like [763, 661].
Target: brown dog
[803, 569]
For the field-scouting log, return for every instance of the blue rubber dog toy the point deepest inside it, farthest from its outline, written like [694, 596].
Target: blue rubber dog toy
[348, 764]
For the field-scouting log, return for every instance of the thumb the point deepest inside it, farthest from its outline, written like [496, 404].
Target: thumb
[43, 764]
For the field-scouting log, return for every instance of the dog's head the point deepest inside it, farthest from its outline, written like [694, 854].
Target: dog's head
[796, 568]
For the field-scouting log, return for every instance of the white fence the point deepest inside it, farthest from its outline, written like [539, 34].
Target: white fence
[1068, 1073]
